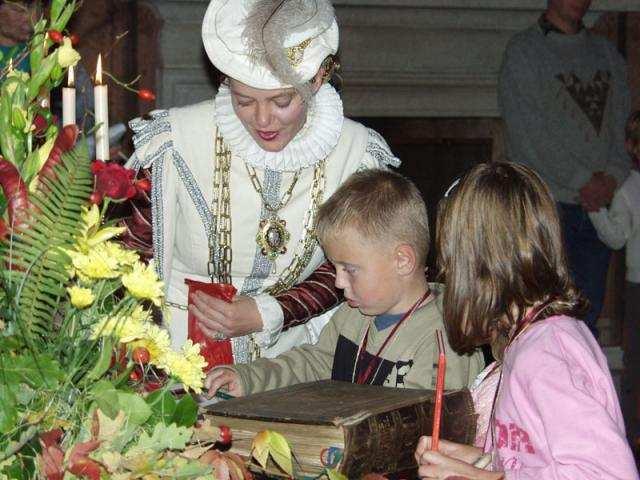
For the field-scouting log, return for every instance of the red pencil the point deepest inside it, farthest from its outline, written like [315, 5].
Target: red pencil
[437, 407]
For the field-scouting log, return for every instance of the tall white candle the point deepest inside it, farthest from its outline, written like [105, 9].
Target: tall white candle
[69, 100]
[101, 101]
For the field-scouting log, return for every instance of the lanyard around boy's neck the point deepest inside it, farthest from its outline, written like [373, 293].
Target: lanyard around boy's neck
[365, 374]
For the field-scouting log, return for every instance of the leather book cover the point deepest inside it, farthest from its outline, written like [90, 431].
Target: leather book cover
[381, 425]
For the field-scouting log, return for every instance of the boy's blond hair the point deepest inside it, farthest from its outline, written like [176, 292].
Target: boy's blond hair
[380, 205]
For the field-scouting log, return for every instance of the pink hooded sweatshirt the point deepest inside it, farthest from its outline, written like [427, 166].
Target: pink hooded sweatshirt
[557, 415]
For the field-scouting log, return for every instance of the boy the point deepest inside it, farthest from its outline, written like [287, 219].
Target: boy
[619, 226]
[374, 229]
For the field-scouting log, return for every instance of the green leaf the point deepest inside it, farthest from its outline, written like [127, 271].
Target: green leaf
[186, 412]
[8, 412]
[163, 406]
[280, 451]
[41, 75]
[56, 9]
[104, 360]
[163, 437]
[179, 467]
[134, 407]
[106, 397]
[335, 475]
[61, 22]
[38, 372]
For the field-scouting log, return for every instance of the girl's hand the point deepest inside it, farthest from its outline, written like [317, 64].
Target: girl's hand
[219, 319]
[223, 377]
[458, 451]
[452, 462]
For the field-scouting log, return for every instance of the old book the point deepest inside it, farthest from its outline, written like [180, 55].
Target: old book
[357, 429]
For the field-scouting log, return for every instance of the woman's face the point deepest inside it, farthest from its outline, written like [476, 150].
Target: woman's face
[272, 117]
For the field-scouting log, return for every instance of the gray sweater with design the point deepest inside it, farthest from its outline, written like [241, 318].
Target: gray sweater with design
[565, 100]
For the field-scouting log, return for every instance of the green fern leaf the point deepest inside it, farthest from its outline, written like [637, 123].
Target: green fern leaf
[41, 267]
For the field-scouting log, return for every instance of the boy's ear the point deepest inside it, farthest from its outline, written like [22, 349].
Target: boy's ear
[405, 259]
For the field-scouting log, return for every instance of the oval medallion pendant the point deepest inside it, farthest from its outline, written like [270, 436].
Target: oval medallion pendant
[272, 237]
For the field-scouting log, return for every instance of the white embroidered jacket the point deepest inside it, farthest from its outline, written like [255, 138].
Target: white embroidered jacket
[178, 145]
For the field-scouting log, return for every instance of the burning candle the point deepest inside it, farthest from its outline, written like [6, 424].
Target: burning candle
[69, 100]
[100, 99]
[437, 407]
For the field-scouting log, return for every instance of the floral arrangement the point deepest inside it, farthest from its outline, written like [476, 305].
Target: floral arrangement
[86, 375]
[87, 378]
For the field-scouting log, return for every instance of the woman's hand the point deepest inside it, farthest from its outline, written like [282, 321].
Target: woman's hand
[219, 319]
[223, 377]
[453, 461]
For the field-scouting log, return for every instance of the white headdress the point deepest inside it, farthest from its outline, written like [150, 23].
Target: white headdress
[270, 44]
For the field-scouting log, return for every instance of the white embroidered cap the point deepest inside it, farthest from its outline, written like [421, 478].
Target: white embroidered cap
[270, 44]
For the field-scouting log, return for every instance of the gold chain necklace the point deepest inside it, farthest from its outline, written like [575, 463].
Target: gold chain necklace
[273, 236]
[220, 253]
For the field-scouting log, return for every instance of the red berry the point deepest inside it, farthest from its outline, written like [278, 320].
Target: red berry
[143, 185]
[146, 95]
[140, 355]
[225, 435]
[152, 386]
[95, 198]
[55, 36]
[135, 375]
[75, 39]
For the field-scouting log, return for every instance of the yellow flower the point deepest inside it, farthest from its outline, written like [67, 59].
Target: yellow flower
[92, 234]
[96, 264]
[187, 366]
[124, 256]
[81, 297]
[143, 283]
[67, 56]
[156, 341]
[125, 328]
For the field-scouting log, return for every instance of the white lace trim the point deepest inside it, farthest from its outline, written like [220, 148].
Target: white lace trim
[314, 142]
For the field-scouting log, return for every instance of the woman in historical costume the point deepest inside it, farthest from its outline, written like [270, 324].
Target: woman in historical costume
[237, 180]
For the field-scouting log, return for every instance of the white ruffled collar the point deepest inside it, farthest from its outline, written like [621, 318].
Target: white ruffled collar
[314, 142]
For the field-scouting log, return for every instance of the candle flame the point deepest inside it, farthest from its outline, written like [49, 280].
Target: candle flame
[99, 70]
[71, 78]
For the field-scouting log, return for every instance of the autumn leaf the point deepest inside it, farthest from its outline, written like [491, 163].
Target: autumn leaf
[260, 448]
[268, 443]
[52, 457]
[79, 462]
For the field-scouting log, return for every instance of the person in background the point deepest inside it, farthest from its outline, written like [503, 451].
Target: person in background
[619, 226]
[555, 413]
[564, 97]
[375, 231]
[17, 18]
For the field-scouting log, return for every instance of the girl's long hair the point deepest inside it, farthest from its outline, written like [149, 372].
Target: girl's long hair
[500, 252]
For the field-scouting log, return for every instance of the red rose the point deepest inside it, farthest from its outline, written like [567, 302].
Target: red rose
[113, 180]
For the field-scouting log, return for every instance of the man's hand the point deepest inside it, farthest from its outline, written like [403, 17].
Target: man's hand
[219, 319]
[223, 377]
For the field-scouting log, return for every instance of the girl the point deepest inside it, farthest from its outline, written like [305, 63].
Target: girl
[555, 414]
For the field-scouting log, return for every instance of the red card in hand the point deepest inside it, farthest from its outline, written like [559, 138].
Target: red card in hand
[215, 352]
